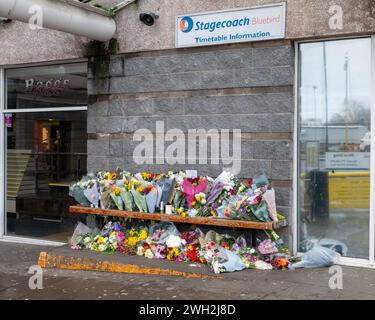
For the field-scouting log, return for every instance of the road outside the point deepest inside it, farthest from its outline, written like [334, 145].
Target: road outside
[16, 259]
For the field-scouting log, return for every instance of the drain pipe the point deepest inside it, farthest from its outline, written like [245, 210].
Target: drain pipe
[60, 16]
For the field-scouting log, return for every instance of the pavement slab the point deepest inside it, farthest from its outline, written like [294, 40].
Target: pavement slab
[15, 260]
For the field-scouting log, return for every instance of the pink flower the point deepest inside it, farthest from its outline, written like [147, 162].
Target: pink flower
[120, 236]
[267, 247]
[190, 191]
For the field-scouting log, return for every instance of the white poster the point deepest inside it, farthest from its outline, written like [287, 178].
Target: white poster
[348, 160]
[230, 26]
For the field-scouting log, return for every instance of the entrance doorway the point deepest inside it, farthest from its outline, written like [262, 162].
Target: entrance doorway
[45, 145]
[334, 147]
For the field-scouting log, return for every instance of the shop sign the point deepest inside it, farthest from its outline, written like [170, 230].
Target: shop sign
[348, 160]
[349, 190]
[230, 26]
[49, 88]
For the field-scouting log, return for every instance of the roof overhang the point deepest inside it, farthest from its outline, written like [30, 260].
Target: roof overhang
[104, 7]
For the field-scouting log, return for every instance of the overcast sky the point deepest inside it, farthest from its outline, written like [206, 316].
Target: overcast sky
[312, 74]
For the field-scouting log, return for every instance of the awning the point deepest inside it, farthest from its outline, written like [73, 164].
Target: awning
[107, 7]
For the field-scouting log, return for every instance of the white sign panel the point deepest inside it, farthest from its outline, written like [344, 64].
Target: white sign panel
[230, 26]
[348, 160]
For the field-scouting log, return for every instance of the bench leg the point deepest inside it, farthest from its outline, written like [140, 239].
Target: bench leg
[250, 237]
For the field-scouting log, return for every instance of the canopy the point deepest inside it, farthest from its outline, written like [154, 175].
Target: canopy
[107, 7]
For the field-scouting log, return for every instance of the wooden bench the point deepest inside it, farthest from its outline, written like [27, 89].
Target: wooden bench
[211, 221]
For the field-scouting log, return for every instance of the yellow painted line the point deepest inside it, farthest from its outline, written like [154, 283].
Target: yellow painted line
[85, 264]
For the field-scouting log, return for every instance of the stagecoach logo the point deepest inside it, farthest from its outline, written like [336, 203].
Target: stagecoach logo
[49, 88]
[186, 24]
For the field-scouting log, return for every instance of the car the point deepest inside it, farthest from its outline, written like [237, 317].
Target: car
[365, 142]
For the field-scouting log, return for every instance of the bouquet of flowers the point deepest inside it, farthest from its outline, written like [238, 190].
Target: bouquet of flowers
[116, 197]
[136, 235]
[139, 195]
[192, 187]
[126, 195]
[77, 191]
[145, 250]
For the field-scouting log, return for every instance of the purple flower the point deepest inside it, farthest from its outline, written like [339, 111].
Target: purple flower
[159, 251]
[117, 227]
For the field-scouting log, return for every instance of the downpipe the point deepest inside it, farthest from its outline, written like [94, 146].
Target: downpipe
[60, 16]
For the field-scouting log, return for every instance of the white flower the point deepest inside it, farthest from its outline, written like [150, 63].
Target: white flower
[261, 265]
[87, 240]
[140, 251]
[174, 241]
[208, 255]
[228, 188]
[149, 254]
[216, 267]
[102, 247]
[203, 201]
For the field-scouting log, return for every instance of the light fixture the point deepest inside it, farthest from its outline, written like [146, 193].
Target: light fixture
[148, 18]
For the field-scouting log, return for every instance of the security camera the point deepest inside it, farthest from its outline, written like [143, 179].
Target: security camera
[148, 18]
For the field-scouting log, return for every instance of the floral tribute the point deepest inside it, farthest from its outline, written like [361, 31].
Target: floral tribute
[225, 197]
[221, 252]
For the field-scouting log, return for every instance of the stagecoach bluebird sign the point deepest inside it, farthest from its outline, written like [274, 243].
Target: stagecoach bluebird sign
[236, 25]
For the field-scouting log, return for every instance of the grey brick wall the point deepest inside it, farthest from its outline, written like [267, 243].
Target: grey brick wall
[247, 87]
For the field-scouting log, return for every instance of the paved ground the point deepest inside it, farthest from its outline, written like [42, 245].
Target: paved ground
[15, 260]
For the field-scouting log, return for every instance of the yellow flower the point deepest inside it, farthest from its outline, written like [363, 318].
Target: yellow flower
[113, 234]
[116, 191]
[100, 240]
[183, 214]
[143, 234]
[193, 203]
[139, 189]
[213, 213]
[132, 241]
[112, 176]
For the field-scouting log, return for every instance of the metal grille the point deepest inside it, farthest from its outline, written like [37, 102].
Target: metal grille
[107, 7]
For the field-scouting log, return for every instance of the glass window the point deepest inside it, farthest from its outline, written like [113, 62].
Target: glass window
[47, 86]
[334, 144]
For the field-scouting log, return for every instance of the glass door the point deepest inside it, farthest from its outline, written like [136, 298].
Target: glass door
[45, 148]
[334, 146]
